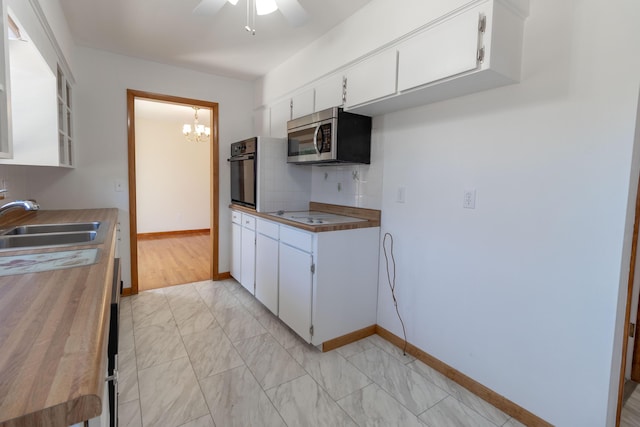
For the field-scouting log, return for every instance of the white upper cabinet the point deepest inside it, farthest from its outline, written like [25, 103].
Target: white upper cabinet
[39, 92]
[464, 52]
[371, 79]
[330, 92]
[5, 122]
[447, 49]
[302, 104]
[280, 115]
[469, 49]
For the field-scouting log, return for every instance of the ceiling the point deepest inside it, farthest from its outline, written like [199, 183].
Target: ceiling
[167, 31]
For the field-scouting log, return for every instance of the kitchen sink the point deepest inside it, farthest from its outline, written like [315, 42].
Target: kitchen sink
[41, 235]
[53, 228]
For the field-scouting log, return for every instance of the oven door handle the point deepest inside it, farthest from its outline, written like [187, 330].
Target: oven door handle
[241, 158]
[315, 139]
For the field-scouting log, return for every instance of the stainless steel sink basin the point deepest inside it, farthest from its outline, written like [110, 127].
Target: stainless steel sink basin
[41, 235]
[53, 228]
[50, 239]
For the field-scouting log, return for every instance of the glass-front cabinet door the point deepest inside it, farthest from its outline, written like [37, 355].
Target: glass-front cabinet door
[6, 151]
[65, 124]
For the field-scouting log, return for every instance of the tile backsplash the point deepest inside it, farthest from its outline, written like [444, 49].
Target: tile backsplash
[349, 185]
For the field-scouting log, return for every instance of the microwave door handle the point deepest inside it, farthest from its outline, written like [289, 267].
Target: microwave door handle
[315, 139]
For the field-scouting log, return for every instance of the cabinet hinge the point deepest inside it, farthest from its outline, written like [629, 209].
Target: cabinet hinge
[313, 268]
[482, 23]
[311, 330]
[344, 90]
[632, 330]
[480, 54]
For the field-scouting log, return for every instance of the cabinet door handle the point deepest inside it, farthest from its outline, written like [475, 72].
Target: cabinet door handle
[114, 377]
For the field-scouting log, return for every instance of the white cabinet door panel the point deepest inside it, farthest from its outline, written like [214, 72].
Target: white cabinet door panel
[329, 93]
[302, 104]
[295, 290]
[445, 50]
[248, 263]
[372, 79]
[280, 115]
[236, 251]
[267, 272]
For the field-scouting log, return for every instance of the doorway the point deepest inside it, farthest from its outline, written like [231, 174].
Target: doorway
[631, 340]
[132, 96]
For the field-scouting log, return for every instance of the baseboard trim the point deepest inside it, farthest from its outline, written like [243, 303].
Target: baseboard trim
[125, 292]
[160, 234]
[497, 400]
[223, 276]
[348, 338]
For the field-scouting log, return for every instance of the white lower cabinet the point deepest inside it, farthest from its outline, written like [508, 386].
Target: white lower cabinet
[322, 285]
[236, 245]
[328, 282]
[296, 290]
[267, 264]
[248, 253]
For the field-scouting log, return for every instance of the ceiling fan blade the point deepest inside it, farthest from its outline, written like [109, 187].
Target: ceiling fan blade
[209, 7]
[293, 12]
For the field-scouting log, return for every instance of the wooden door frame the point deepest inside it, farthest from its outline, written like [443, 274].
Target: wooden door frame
[214, 171]
[627, 316]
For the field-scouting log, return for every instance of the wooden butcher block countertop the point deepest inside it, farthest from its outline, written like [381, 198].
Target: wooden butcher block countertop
[54, 330]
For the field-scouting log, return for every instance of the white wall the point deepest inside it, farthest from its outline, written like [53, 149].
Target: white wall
[172, 177]
[101, 129]
[525, 293]
[14, 180]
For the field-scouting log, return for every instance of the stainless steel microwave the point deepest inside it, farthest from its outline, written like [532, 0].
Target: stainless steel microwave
[329, 136]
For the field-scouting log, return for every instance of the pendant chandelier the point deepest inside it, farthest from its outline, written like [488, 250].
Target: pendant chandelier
[197, 132]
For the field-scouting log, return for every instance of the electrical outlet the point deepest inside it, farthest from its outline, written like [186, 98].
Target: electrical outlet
[469, 200]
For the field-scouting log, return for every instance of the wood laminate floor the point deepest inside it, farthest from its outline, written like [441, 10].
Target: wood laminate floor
[173, 260]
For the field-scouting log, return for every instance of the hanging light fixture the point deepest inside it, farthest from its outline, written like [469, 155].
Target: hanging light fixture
[200, 133]
[292, 11]
[256, 7]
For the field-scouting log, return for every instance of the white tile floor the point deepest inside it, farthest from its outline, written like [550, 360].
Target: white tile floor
[208, 354]
[630, 416]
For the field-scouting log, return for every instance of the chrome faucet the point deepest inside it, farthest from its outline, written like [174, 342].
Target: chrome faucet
[27, 205]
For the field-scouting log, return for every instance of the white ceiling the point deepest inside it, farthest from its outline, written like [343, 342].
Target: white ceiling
[167, 31]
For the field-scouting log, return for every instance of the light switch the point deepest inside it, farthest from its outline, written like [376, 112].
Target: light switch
[402, 195]
[118, 185]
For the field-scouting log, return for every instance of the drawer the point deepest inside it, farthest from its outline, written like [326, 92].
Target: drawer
[248, 221]
[268, 228]
[298, 239]
[236, 217]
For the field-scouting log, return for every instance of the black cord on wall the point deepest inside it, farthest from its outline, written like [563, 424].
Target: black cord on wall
[392, 283]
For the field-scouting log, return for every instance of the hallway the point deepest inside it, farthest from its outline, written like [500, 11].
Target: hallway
[173, 259]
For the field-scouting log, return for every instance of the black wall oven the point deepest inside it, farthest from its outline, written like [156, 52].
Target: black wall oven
[243, 172]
